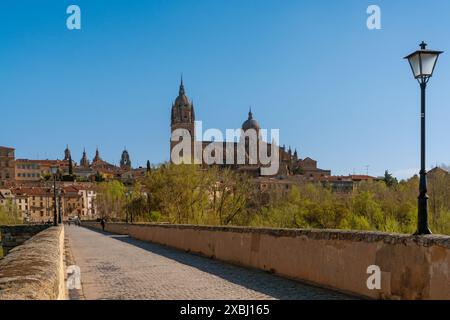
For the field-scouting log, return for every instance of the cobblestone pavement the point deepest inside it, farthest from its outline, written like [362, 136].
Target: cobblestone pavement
[119, 267]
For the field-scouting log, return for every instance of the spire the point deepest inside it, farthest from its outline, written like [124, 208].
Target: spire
[181, 92]
[250, 114]
[84, 162]
[97, 155]
[67, 153]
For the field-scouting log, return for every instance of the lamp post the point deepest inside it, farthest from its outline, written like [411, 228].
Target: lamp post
[54, 171]
[59, 206]
[422, 64]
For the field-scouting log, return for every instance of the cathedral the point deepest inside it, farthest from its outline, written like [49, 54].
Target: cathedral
[290, 164]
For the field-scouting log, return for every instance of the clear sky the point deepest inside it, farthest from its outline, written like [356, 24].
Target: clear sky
[338, 92]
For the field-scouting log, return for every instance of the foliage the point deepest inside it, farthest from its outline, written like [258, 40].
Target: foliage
[188, 194]
[371, 206]
[389, 179]
[110, 200]
[10, 214]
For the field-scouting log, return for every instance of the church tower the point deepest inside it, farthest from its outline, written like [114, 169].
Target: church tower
[97, 156]
[67, 155]
[125, 162]
[247, 127]
[84, 162]
[182, 117]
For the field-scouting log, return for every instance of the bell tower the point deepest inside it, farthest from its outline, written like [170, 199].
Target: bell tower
[182, 117]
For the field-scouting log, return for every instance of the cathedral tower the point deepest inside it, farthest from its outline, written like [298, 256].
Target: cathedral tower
[251, 134]
[182, 117]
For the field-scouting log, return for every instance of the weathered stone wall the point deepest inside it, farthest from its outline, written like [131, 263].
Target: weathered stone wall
[15, 235]
[35, 270]
[412, 267]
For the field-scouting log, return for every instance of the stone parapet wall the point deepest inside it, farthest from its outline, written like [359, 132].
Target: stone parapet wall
[14, 235]
[35, 270]
[411, 267]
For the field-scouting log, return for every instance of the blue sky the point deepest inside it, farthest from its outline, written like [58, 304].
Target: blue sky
[338, 92]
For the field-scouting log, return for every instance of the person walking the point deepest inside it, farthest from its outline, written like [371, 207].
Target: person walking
[102, 222]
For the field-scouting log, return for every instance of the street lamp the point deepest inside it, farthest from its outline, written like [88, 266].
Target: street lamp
[59, 207]
[54, 171]
[422, 64]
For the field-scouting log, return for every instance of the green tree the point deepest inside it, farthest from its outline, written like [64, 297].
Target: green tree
[389, 179]
[110, 200]
[10, 214]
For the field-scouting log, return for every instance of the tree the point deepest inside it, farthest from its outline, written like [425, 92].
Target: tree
[178, 192]
[110, 200]
[149, 168]
[136, 204]
[230, 192]
[10, 214]
[192, 194]
[389, 179]
[99, 177]
[70, 166]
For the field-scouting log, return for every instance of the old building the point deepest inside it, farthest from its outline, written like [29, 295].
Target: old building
[37, 203]
[36, 170]
[183, 117]
[344, 184]
[7, 165]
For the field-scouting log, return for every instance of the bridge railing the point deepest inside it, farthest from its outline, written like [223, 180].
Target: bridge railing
[371, 264]
[35, 270]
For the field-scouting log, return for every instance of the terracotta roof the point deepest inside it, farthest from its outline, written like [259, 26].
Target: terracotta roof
[9, 148]
[31, 191]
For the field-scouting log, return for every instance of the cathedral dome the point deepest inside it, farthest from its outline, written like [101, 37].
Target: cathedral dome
[250, 123]
[182, 99]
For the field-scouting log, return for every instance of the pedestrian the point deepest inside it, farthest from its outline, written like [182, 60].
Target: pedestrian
[102, 222]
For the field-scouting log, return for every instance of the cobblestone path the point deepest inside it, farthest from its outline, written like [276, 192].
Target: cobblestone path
[119, 267]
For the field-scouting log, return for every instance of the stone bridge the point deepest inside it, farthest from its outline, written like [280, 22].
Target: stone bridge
[157, 261]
